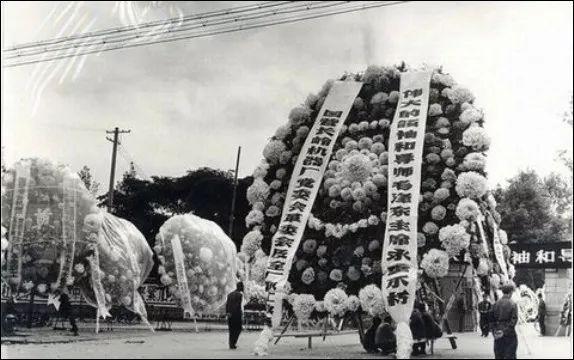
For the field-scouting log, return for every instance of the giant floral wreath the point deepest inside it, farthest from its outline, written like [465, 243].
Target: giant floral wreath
[342, 242]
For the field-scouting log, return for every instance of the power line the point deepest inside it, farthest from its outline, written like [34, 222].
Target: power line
[209, 33]
[204, 15]
[163, 29]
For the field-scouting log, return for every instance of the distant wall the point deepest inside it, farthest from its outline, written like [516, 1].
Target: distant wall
[558, 284]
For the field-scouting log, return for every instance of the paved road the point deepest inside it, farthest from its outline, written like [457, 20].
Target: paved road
[180, 344]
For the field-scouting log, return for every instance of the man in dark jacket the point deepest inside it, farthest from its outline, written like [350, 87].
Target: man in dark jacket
[66, 311]
[541, 315]
[504, 319]
[368, 340]
[484, 308]
[234, 310]
[418, 329]
[385, 338]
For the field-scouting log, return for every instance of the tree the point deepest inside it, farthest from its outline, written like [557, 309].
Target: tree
[86, 177]
[532, 211]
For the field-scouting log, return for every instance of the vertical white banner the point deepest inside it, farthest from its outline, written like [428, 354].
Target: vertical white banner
[182, 287]
[303, 187]
[406, 142]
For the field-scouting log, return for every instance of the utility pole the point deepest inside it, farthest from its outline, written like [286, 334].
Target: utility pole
[232, 214]
[115, 141]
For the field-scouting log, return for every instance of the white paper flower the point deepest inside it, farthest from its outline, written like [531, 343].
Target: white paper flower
[471, 115]
[308, 276]
[336, 302]
[303, 306]
[257, 192]
[354, 303]
[467, 209]
[438, 213]
[299, 115]
[371, 298]
[430, 228]
[357, 168]
[255, 217]
[474, 162]
[435, 263]
[483, 267]
[476, 138]
[273, 211]
[273, 150]
[435, 110]
[459, 95]
[336, 275]
[282, 132]
[251, 242]
[471, 184]
[454, 239]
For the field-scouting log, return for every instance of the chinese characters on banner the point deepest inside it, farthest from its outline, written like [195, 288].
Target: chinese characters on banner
[181, 277]
[497, 245]
[556, 255]
[406, 140]
[303, 188]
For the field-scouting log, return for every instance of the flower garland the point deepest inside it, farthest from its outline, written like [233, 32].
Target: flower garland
[351, 203]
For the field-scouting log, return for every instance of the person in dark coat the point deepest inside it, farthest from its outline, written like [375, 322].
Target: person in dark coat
[432, 328]
[385, 338]
[504, 319]
[368, 340]
[234, 310]
[541, 315]
[66, 311]
[484, 308]
[417, 326]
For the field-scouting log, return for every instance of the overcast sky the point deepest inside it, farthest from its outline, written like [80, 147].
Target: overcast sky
[191, 103]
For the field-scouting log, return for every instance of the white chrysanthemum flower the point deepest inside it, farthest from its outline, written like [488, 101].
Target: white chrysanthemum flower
[299, 115]
[257, 192]
[354, 303]
[255, 217]
[261, 170]
[273, 150]
[282, 132]
[454, 239]
[336, 275]
[471, 115]
[251, 242]
[459, 95]
[273, 211]
[371, 298]
[435, 263]
[303, 306]
[474, 161]
[467, 209]
[430, 228]
[476, 138]
[444, 79]
[379, 98]
[308, 276]
[336, 302]
[471, 184]
[435, 110]
[438, 213]
[357, 168]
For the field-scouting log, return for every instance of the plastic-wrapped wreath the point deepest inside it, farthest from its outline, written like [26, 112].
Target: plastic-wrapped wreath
[59, 237]
[342, 243]
[209, 259]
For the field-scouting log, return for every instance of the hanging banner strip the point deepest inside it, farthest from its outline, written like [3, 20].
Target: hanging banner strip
[97, 286]
[482, 236]
[21, 206]
[303, 188]
[497, 245]
[183, 289]
[406, 141]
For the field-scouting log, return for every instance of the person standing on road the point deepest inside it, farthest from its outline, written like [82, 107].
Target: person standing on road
[541, 315]
[504, 319]
[234, 310]
[484, 308]
[66, 310]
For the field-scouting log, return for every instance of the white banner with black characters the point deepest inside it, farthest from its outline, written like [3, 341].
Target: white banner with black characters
[406, 140]
[303, 188]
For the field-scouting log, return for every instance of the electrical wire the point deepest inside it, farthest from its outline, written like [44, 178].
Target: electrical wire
[209, 33]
